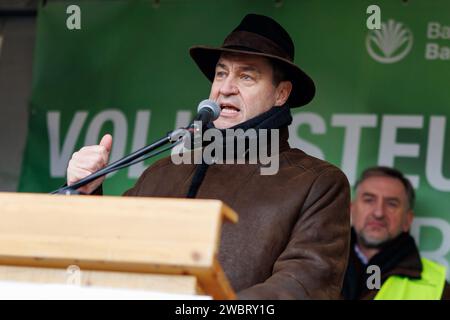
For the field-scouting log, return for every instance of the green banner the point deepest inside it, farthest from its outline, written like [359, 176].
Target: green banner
[123, 67]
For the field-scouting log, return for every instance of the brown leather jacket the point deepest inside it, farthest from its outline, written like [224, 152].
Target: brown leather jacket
[292, 238]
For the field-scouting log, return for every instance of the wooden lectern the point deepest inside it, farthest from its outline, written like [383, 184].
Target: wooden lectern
[159, 244]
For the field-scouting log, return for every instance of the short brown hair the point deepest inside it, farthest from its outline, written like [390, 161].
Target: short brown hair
[381, 171]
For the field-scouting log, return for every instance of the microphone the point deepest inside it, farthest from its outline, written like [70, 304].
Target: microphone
[207, 111]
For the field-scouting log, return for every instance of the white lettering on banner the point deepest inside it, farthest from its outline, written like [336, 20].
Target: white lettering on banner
[436, 31]
[353, 123]
[317, 125]
[140, 136]
[390, 149]
[60, 158]
[435, 154]
[62, 148]
[119, 132]
[182, 120]
[438, 255]
[434, 50]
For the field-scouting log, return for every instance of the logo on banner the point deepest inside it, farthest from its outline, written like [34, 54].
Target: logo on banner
[391, 43]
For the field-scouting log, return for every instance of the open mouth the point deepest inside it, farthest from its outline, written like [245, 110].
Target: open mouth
[228, 109]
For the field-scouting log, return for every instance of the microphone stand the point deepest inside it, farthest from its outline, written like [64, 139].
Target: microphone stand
[171, 137]
[208, 110]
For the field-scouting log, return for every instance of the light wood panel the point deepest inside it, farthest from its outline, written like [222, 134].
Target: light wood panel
[131, 234]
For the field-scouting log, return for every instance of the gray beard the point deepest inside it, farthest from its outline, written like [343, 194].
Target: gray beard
[363, 241]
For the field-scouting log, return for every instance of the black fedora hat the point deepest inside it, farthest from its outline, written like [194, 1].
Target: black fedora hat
[262, 36]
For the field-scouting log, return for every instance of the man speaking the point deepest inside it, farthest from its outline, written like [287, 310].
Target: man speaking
[292, 239]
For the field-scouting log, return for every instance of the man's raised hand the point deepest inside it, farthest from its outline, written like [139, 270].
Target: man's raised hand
[88, 160]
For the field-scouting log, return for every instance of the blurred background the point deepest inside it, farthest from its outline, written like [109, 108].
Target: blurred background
[17, 42]
[69, 74]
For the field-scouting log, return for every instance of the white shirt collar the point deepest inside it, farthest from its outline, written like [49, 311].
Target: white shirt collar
[361, 255]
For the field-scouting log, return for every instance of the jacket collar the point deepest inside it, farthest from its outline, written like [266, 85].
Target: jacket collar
[277, 118]
[397, 257]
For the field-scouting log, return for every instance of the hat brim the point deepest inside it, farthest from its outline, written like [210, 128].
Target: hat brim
[303, 88]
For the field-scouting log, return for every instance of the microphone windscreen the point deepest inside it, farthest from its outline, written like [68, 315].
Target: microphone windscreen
[210, 105]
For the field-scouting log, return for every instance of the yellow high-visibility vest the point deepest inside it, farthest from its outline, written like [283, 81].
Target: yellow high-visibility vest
[429, 287]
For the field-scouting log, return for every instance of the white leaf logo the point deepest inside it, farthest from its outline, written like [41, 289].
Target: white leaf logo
[391, 43]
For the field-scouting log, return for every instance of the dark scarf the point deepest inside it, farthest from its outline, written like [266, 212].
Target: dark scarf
[392, 256]
[275, 118]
